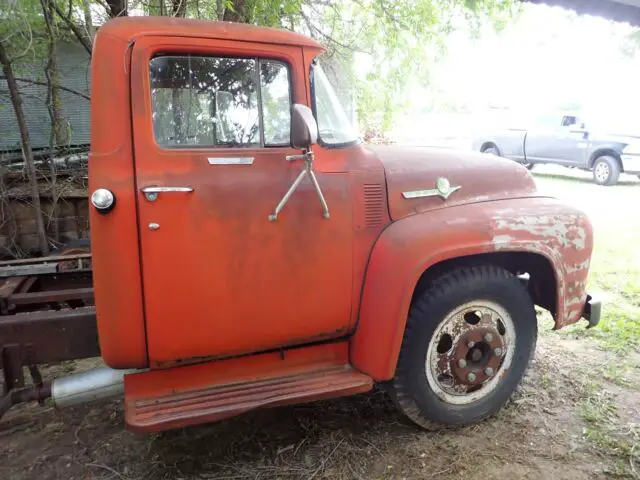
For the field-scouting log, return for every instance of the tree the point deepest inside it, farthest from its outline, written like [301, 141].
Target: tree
[28, 36]
[395, 34]
[8, 42]
[397, 37]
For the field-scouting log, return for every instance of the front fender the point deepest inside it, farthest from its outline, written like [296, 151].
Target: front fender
[600, 147]
[408, 247]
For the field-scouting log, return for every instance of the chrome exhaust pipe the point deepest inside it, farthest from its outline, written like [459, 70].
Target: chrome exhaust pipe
[88, 386]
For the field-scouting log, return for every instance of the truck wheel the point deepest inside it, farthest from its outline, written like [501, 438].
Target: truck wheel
[467, 344]
[606, 170]
[492, 151]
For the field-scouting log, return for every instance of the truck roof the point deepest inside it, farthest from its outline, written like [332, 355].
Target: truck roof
[129, 28]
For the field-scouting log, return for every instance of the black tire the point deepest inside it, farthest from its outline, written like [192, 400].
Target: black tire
[493, 150]
[606, 170]
[410, 387]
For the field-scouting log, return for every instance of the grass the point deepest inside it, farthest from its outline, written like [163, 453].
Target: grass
[617, 372]
[603, 430]
[615, 265]
[615, 277]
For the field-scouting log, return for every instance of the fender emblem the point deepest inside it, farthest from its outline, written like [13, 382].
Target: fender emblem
[443, 190]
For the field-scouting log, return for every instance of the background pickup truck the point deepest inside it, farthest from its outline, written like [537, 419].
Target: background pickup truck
[569, 142]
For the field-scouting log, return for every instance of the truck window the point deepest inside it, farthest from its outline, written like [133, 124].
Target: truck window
[276, 102]
[334, 127]
[219, 102]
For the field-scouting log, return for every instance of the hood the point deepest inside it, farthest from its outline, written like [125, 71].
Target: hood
[414, 171]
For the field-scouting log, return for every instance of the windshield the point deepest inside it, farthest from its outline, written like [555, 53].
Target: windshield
[333, 124]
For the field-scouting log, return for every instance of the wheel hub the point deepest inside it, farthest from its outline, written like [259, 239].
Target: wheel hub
[470, 351]
[602, 171]
[482, 358]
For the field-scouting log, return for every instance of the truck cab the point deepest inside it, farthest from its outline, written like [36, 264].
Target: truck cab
[249, 251]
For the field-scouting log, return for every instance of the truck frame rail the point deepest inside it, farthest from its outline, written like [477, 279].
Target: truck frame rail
[47, 316]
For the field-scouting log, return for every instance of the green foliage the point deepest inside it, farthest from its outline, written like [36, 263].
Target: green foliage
[398, 40]
[20, 23]
[24, 35]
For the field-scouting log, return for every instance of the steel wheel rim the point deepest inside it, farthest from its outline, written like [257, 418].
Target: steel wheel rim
[602, 171]
[447, 376]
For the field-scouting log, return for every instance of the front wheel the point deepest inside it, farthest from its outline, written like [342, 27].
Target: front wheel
[606, 170]
[492, 151]
[467, 344]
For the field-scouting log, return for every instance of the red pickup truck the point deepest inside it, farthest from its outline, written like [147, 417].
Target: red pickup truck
[248, 251]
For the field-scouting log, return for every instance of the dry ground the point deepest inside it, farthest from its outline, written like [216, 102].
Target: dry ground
[576, 415]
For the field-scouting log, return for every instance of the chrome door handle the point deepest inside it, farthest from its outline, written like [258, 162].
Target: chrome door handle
[151, 193]
[166, 189]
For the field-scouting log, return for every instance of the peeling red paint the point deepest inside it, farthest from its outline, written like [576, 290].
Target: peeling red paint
[544, 226]
[560, 233]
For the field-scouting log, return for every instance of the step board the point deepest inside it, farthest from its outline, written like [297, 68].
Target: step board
[150, 413]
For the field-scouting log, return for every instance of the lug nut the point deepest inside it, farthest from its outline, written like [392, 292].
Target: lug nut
[471, 377]
[488, 337]
[488, 371]
[462, 363]
[497, 352]
[471, 344]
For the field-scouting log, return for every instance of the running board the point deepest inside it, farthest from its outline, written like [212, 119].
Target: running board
[150, 406]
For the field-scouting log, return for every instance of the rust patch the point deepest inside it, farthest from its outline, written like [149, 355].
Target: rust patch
[562, 235]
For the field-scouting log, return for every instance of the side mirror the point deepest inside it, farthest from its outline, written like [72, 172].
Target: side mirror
[581, 131]
[304, 129]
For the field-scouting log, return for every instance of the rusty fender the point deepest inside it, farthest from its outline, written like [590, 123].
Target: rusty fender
[408, 247]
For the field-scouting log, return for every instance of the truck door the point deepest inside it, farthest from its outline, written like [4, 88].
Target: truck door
[564, 142]
[211, 131]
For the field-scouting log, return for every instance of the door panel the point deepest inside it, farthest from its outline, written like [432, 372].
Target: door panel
[219, 278]
[511, 143]
[557, 144]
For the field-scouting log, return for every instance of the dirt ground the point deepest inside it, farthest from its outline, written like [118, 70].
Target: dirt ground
[575, 416]
[542, 433]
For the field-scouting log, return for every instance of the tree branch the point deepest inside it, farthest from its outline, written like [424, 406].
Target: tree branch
[44, 84]
[326, 36]
[117, 8]
[82, 38]
[178, 8]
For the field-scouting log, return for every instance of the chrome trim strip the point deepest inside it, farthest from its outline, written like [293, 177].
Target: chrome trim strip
[429, 193]
[443, 190]
[230, 160]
